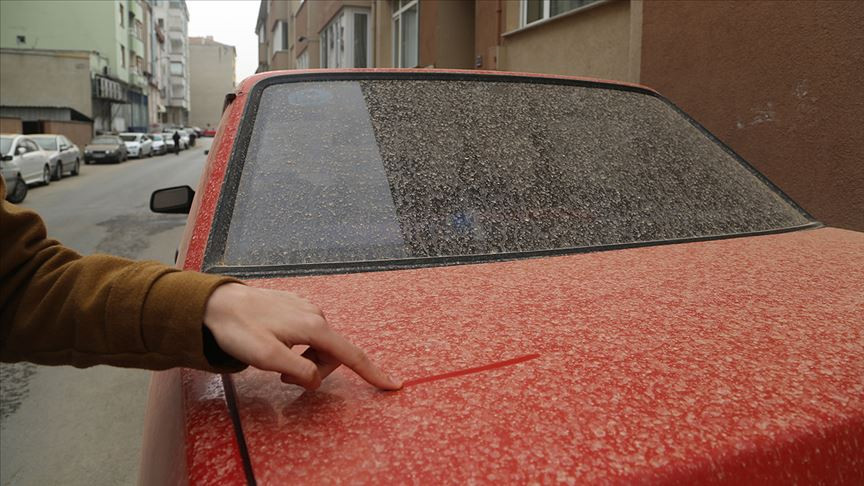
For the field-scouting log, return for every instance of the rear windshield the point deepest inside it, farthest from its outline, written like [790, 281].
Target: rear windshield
[360, 171]
[105, 141]
[156, 137]
[129, 138]
[46, 143]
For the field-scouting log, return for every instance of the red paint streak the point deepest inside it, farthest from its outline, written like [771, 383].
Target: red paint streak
[468, 371]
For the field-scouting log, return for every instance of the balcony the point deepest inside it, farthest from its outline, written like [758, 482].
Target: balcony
[136, 45]
[135, 10]
[136, 79]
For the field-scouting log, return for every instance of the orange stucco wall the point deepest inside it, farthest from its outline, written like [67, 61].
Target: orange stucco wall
[780, 82]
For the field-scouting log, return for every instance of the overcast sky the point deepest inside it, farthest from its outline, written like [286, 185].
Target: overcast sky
[230, 22]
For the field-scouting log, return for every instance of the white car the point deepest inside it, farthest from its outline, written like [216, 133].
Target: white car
[34, 163]
[184, 138]
[137, 144]
[159, 143]
[65, 155]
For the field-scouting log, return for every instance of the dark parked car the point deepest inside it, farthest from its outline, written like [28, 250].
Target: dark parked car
[105, 148]
[579, 283]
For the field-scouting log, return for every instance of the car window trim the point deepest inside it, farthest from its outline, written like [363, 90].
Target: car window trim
[218, 233]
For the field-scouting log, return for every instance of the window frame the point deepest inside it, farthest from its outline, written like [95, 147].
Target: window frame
[219, 226]
[547, 10]
[344, 20]
[280, 35]
[399, 10]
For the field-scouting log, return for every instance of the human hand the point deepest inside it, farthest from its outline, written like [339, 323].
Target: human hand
[259, 327]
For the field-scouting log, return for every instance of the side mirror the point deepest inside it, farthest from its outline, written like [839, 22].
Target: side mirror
[172, 200]
[6, 158]
[64, 147]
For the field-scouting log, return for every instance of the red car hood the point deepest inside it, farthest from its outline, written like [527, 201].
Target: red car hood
[702, 362]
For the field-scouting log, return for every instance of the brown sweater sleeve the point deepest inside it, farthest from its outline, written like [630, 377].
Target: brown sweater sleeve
[57, 307]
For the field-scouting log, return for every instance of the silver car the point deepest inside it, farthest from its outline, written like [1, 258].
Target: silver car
[65, 155]
[33, 162]
[16, 188]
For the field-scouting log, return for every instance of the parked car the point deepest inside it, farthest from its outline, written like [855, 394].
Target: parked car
[159, 145]
[16, 188]
[33, 163]
[169, 139]
[192, 135]
[105, 148]
[137, 144]
[65, 155]
[579, 283]
[209, 132]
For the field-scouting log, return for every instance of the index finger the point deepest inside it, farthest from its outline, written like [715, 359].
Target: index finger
[353, 357]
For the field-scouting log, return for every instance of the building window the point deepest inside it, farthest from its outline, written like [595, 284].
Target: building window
[122, 56]
[122, 15]
[346, 39]
[537, 10]
[262, 37]
[303, 60]
[280, 36]
[405, 33]
[177, 68]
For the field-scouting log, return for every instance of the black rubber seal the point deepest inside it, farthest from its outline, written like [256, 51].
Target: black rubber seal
[231, 399]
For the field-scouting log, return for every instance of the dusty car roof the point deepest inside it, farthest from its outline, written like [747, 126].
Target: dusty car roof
[250, 81]
[691, 362]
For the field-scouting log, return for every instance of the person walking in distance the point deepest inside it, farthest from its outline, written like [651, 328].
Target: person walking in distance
[176, 138]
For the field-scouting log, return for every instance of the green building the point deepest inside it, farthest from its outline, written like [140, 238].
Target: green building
[120, 40]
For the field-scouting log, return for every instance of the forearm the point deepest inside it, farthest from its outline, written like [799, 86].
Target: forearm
[57, 307]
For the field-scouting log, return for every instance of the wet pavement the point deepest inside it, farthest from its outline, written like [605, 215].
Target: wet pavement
[62, 425]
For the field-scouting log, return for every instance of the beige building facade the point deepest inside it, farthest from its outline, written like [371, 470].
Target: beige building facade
[212, 68]
[776, 81]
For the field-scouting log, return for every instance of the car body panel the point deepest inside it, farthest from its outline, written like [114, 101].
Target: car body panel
[715, 361]
[11, 174]
[141, 147]
[105, 152]
[30, 164]
[159, 146]
[738, 359]
[65, 156]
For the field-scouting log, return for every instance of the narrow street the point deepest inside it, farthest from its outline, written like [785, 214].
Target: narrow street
[62, 425]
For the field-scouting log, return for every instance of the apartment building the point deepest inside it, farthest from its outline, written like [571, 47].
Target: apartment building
[121, 81]
[776, 82]
[112, 31]
[172, 16]
[298, 34]
[212, 69]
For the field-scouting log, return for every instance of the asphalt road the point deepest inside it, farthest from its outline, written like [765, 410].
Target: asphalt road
[62, 425]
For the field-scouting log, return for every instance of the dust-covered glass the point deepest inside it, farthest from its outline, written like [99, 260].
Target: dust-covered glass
[380, 170]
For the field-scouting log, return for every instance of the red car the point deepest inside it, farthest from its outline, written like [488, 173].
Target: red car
[208, 132]
[578, 281]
